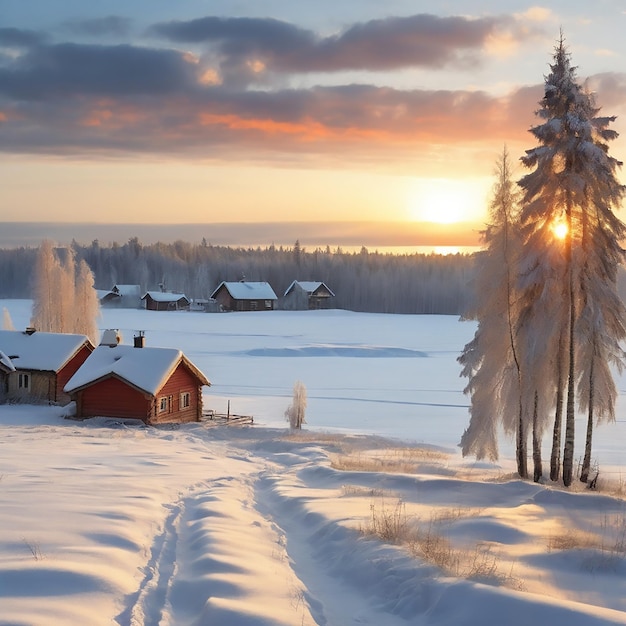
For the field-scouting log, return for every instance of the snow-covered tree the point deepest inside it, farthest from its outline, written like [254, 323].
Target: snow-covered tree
[46, 289]
[64, 301]
[87, 306]
[573, 186]
[491, 360]
[296, 410]
[66, 295]
[602, 316]
[7, 322]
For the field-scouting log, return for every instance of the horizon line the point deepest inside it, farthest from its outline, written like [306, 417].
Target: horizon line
[263, 233]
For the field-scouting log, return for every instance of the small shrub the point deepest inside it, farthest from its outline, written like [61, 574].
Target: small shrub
[295, 411]
[34, 548]
[389, 523]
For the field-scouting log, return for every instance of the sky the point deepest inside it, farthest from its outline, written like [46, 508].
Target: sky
[197, 111]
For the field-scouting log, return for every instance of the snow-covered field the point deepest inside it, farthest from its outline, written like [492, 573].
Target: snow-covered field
[109, 523]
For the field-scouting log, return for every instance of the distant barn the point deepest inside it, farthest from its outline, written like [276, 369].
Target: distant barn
[126, 296]
[245, 296]
[165, 301]
[35, 366]
[155, 385]
[307, 294]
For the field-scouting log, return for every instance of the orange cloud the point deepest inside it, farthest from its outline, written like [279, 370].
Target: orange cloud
[111, 115]
[308, 130]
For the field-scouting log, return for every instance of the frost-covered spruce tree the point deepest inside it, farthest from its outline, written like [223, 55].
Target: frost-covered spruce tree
[490, 360]
[573, 180]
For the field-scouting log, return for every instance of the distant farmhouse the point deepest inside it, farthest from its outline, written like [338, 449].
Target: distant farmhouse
[155, 385]
[245, 296]
[307, 294]
[126, 296]
[165, 301]
[208, 305]
[35, 366]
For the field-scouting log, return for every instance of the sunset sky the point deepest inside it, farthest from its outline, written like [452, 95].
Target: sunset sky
[198, 111]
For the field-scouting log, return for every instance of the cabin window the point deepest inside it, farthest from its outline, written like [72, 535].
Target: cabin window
[268, 304]
[23, 382]
[185, 400]
[163, 404]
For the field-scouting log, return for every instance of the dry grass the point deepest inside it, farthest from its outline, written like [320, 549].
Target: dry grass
[392, 460]
[603, 551]
[351, 491]
[612, 485]
[34, 548]
[451, 514]
[573, 539]
[390, 522]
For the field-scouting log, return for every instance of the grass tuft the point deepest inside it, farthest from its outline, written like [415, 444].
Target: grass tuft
[389, 522]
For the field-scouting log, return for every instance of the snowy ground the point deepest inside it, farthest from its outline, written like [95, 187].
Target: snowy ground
[107, 523]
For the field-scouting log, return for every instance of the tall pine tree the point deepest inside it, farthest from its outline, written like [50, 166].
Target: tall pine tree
[574, 179]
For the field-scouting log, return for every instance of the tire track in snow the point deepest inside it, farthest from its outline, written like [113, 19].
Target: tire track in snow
[231, 566]
[144, 608]
[351, 586]
[217, 561]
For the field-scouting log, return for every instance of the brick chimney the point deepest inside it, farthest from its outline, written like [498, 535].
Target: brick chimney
[139, 340]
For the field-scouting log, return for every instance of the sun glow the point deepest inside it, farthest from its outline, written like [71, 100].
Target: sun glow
[560, 229]
[446, 201]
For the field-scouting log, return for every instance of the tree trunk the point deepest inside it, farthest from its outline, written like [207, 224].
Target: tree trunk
[522, 462]
[555, 456]
[537, 469]
[570, 416]
[584, 474]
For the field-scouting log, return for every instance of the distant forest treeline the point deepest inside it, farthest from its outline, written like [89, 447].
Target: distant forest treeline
[362, 281]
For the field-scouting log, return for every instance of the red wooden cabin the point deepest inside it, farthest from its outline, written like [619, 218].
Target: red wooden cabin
[155, 385]
[38, 365]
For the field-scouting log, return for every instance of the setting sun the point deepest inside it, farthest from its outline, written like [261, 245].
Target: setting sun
[560, 229]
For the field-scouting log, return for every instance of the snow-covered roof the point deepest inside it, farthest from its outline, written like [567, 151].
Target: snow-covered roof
[164, 296]
[47, 352]
[102, 293]
[145, 368]
[310, 286]
[6, 361]
[127, 290]
[248, 290]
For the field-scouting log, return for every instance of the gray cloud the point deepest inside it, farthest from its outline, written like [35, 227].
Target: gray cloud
[19, 38]
[62, 70]
[416, 41]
